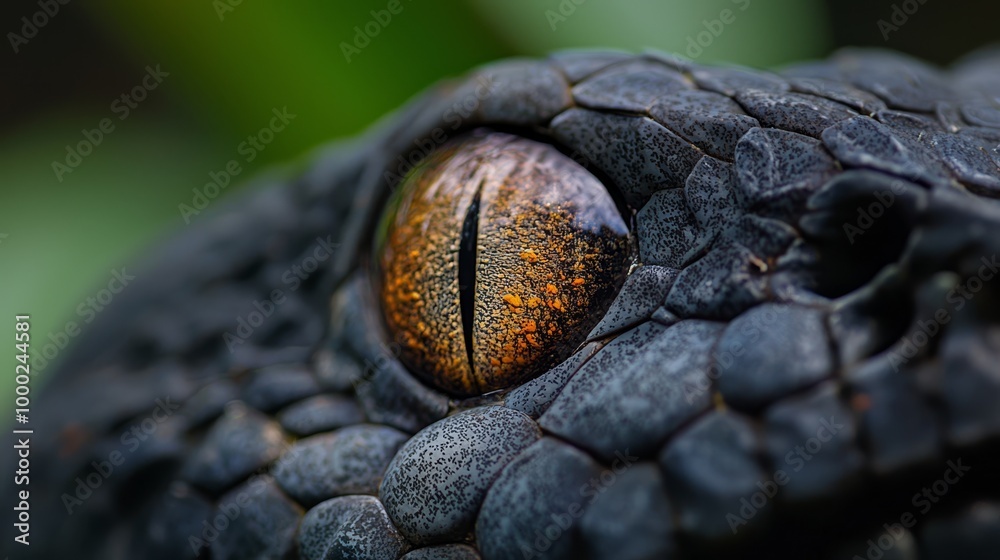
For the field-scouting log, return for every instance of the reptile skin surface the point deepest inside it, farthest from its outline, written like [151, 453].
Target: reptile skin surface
[804, 361]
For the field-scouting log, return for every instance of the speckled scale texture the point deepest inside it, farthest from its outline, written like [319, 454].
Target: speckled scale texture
[807, 345]
[437, 483]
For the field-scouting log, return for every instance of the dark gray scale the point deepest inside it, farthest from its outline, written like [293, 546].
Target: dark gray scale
[731, 80]
[387, 393]
[725, 282]
[515, 92]
[637, 390]
[866, 218]
[335, 371]
[273, 387]
[901, 81]
[707, 469]
[710, 196]
[908, 123]
[239, 443]
[639, 154]
[349, 527]
[711, 121]
[970, 163]
[970, 364]
[534, 397]
[958, 229]
[631, 86]
[284, 337]
[321, 413]
[865, 142]
[209, 402]
[643, 293]
[151, 448]
[949, 117]
[897, 424]
[163, 530]
[667, 232]
[916, 132]
[771, 351]
[195, 305]
[765, 237]
[632, 520]
[231, 301]
[175, 332]
[982, 113]
[392, 396]
[977, 72]
[776, 171]
[135, 394]
[578, 64]
[870, 319]
[443, 552]
[717, 211]
[858, 100]
[664, 317]
[988, 139]
[674, 61]
[811, 438]
[901, 351]
[794, 276]
[534, 507]
[351, 460]
[262, 522]
[795, 112]
[972, 533]
[839, 203]
[436, 484]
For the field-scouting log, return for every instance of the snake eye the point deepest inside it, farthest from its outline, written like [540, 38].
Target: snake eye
[496, 256]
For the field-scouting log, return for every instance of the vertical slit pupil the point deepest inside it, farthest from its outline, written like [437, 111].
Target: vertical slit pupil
[467, 271]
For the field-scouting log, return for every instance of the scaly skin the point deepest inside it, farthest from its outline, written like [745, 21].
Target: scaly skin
[805, 357]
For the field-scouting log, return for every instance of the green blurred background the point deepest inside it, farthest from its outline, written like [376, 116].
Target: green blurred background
[230, 62]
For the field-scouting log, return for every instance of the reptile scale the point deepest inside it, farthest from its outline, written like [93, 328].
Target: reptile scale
[599, 305]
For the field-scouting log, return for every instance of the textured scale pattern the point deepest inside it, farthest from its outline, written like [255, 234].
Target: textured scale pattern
[757, 335]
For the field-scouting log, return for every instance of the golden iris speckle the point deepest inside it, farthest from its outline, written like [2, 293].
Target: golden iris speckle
[543, 243]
